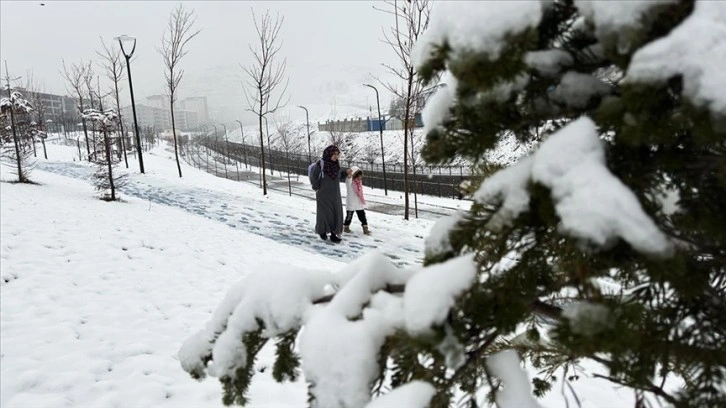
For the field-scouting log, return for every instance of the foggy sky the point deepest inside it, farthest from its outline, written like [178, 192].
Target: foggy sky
[331, 46]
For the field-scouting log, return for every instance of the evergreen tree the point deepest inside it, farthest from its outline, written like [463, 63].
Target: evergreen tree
[104, 178]
[643, 312]
[18, 134]
[604, 244]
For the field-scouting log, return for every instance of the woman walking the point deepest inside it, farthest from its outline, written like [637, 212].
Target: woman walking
[325, 179]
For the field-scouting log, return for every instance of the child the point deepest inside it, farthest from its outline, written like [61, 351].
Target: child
[354, 201]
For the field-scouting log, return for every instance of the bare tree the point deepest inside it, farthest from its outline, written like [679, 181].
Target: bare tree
[266, 75]
[337, 135]
[288, 139]
[371, 153]
[179, 33]
[411, 20]
[88, 79]
[115, 72]
[33, 94]
[75, 76]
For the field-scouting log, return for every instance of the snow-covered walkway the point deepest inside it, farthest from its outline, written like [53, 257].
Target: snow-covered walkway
[275, 219]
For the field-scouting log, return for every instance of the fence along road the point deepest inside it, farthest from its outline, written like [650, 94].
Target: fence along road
[204, 159]
[440, 181]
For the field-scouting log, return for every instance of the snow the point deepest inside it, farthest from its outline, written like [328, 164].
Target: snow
[517, 390]
[509, 184]
[97, 298]
[460, 25]
[431, 292]
[696, 50]
[576, 90]
[548, 63]
[278, 296]
[17, 101]
[593, 205]
[437, 107]
[416, 394]
[437, 242]
[331, 344]
[617, 18]
[587, 318]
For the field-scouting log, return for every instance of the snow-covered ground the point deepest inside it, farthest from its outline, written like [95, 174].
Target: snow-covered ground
[98, 297]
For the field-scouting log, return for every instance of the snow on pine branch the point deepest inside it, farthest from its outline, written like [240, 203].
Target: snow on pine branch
[460, 25]
[517, 390]
[278, 296]
[17, 102]
[348, 331]
[592, 204]
[106, 118]
[696, 49]
[428, 297]
[617, 18]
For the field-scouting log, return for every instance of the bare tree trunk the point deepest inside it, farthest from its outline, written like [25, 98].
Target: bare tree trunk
[172, 50]
[108, 163]
[85, 128]
[262, 155]
[173, 131]
[121, 125]
[405, 148]
[21, 176]
[264, 78]
[45, 152]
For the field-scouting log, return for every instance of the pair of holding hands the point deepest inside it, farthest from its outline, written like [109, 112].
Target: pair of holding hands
[349, 172]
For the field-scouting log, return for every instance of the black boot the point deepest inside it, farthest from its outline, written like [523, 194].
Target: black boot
[334, 238]
[324, 237]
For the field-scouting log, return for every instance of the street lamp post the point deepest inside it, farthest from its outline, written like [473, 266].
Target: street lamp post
[128, 56]
[226, 152]
[380, 128]
[307, 119]
[244, 145]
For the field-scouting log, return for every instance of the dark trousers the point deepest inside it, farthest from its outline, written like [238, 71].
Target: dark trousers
[361, 216]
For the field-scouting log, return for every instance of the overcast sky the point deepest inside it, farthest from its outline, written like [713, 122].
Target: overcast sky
[331, 46]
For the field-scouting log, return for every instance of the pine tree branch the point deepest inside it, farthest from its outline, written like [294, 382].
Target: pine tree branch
[650, 388]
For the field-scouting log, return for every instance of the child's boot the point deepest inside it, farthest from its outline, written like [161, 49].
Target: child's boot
[366, 230]
[346, 229]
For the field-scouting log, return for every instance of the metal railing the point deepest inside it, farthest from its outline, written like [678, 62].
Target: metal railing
[441, 181]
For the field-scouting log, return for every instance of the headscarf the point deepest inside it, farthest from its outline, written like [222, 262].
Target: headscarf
[331, 167]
